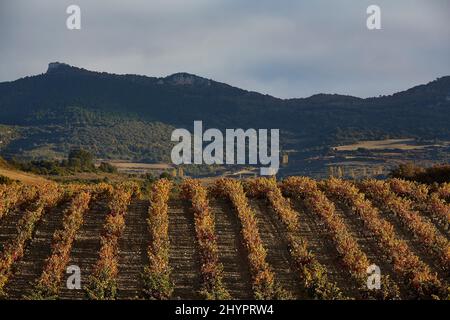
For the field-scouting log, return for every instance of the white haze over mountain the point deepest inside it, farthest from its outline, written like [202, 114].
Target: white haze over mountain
[286, 48]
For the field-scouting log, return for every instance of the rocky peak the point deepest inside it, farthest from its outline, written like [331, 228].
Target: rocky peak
[57, 66]
[186, 79]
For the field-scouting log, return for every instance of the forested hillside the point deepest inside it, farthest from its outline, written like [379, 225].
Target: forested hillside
[130, 116]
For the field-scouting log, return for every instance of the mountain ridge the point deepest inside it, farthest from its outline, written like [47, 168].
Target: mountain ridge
[52, 66]
[69, 105]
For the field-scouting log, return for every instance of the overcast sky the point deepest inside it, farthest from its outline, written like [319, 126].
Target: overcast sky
[286, 48]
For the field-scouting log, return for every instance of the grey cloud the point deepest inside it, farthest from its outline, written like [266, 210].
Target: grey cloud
[286, 48]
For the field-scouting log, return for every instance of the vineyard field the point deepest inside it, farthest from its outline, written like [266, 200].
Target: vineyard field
[298, 239]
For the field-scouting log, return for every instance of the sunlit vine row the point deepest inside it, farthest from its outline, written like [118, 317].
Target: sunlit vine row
[50, 279]
[354, 259]
[49, 195]
[14, 195]
[157, 283]
[103, 282]
[381, 194]
[211, 268]
[443, 192]
[263, 277]
[416, 273]
[96, 190]
[425, 201]
[312, 273]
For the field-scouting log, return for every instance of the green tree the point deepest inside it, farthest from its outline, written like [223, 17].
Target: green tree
[80, 159]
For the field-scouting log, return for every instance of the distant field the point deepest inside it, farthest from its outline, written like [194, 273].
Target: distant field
[124, 166]
[400, 144]
[25, 178]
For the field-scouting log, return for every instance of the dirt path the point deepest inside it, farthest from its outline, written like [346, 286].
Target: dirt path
[86, 247]
[133, 250]
[183, 253]
[28, 270]
[274, 241]
[232, 254]
[314, 231]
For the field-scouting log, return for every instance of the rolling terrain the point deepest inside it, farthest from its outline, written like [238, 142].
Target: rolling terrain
[130, 117]
[251, 236]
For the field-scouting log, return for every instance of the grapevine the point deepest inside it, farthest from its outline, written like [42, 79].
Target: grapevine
[14, 195]
[352, 256]
[436, 244]
[211, 268]
[443, 192]
[157, 274]
[416, 273]
[263, 277]
[103, 282]
[49, 195]
[429, 203]
[312, 273]
[48, 284]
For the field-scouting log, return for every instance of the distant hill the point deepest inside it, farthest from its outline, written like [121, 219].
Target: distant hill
[131, 116]
[16, 175]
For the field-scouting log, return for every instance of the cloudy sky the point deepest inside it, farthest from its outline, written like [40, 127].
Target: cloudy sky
[286, 48]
